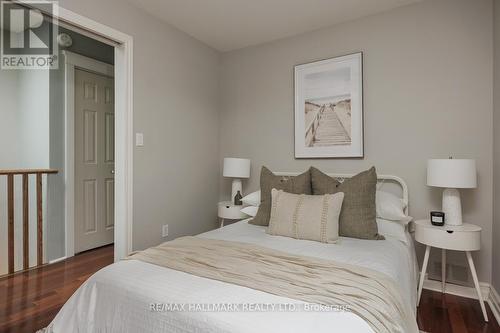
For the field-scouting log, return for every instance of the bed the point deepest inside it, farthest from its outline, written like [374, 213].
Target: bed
[131, 295]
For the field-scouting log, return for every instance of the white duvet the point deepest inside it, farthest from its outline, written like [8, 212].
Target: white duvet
[119, 298]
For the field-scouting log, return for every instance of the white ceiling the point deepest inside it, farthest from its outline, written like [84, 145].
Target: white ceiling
[232, 24]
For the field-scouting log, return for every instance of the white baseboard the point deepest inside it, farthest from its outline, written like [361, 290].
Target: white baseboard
[455, 289]
[494, 302]
[489, 293]
[57, 260]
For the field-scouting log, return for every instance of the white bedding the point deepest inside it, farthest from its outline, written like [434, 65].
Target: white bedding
[118, 298]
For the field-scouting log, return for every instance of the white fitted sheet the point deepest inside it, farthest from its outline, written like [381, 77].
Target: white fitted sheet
[118, 297]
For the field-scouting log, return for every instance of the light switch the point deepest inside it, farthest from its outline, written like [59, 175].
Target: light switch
[139, 139]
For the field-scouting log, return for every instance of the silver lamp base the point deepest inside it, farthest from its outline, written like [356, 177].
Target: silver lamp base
[452, 207]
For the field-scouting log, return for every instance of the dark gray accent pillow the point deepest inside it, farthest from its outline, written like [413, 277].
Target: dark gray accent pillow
[358, 215]
[300, 184]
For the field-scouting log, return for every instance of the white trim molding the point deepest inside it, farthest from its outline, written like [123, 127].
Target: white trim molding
[123, 72]
[494, 302]
[73, 61]
[88, 63]
[458, 290]
[487, 290]
[57, 260]
[124, 132]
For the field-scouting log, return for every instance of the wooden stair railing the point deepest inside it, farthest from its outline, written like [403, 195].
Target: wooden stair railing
[10, 214]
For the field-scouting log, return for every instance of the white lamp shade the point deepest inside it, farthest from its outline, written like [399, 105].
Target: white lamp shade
[236, 167]
[452, 173]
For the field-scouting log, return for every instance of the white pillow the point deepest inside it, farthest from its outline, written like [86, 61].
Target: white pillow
[392, 229]
[391, 207]
[250, 210]
[253, 199]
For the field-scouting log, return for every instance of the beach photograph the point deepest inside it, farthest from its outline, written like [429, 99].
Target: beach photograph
[329, 108]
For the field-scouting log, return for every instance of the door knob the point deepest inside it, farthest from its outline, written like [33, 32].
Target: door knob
[113, 172]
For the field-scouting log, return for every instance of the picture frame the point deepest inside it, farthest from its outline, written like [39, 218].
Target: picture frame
[329, 108]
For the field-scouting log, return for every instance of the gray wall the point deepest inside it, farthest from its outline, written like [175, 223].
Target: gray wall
[176, 107]
[10, 153]
[496, 151]
[427, 94]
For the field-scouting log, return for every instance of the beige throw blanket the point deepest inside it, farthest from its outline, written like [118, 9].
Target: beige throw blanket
[369, 294]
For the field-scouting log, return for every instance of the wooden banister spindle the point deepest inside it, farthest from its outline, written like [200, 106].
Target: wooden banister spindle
[39, 213]
[25, 173]
[10, 217]
[26, 247]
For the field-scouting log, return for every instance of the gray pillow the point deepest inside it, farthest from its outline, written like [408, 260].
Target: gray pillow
[358, 215]
[300, 184]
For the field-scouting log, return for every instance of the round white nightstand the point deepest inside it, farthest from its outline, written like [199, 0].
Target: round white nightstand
[466, 237]
[228, 211]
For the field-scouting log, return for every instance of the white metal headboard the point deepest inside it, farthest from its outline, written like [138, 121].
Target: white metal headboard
[382, 180]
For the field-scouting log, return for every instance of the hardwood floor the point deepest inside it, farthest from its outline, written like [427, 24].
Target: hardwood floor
[446, 313]
[30, 300]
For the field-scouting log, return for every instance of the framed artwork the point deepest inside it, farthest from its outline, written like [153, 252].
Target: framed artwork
[329, 108]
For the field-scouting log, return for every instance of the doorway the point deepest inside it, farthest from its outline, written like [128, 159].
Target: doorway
[40, 235]
[123, 75]
[94, 119]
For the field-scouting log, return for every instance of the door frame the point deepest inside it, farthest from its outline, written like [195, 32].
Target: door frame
[123, 74]
[72, 62]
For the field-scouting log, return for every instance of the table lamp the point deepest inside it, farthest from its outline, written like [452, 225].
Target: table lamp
[452, 174]
[236, 168]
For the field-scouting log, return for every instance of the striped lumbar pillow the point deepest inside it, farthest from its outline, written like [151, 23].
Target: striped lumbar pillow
[301, 216]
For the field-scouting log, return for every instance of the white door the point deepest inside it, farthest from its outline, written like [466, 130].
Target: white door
[94, 160]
